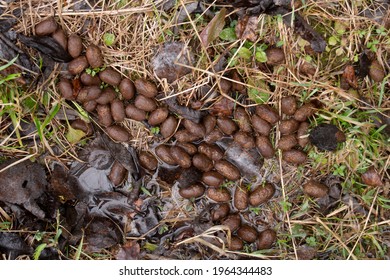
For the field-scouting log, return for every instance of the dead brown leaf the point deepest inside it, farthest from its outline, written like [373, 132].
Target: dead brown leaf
[212, 30]
[23, 184]
[129, 251]
[350, 77]
[371, 177]
[246, 28]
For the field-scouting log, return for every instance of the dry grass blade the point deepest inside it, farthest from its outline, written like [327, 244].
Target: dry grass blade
[287, 214]
[337, 237]
[365, 225]
[209, 234]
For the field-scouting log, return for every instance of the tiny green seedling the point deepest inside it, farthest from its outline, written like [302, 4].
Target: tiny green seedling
[108, 39]
[255, 210]
[155, 130]
[94, 71]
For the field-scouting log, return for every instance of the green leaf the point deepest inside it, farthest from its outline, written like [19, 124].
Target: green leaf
[244, 53]
[302, 43]
[30, 103]
[39, 250]
[311, 241]
[262, 47]
[108, 39]
[248, 44]
[332, 41]
[10, 77]
[261, 56]
[286, 206]
[255, 210]
[228, 34]
[146, 191]
[213, 29]
[339, 51]
[258, 96]
[79, 249]
[74, 135]
[39, 235]
[150, 246]
[5, 226]
[155, 130]
[57, 236]
[2, 67]
[339, 27]
[162, 229]
[53, 112]
[308, 58]
[82, 112]
[233, 23]
[232, 62]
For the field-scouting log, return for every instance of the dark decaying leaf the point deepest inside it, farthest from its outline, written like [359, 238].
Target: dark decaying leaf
[126, 156]
[75, 219]
[183, 111]
[9, 51]
[165, 63]
[249, 162]
[47, 46]
[92, 180]
[128, 251]
[188, 9]
[301, 27]
[101, 233]
[326, 137]
[49, 253]
[6, 23]
[167, 5]
[63, 185]
[99, 157]
[23, 184]
[213, 29]
[246, 28]
[169, 175]
[12, 245]
[185, 177]
[146, 221]
[189, 176]
[112, 205]
[283, 7]
[354, 204]
[103, 214]
[27, 130]
[261, 6]
[378, 11]
[382, 119]
[364, 65]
